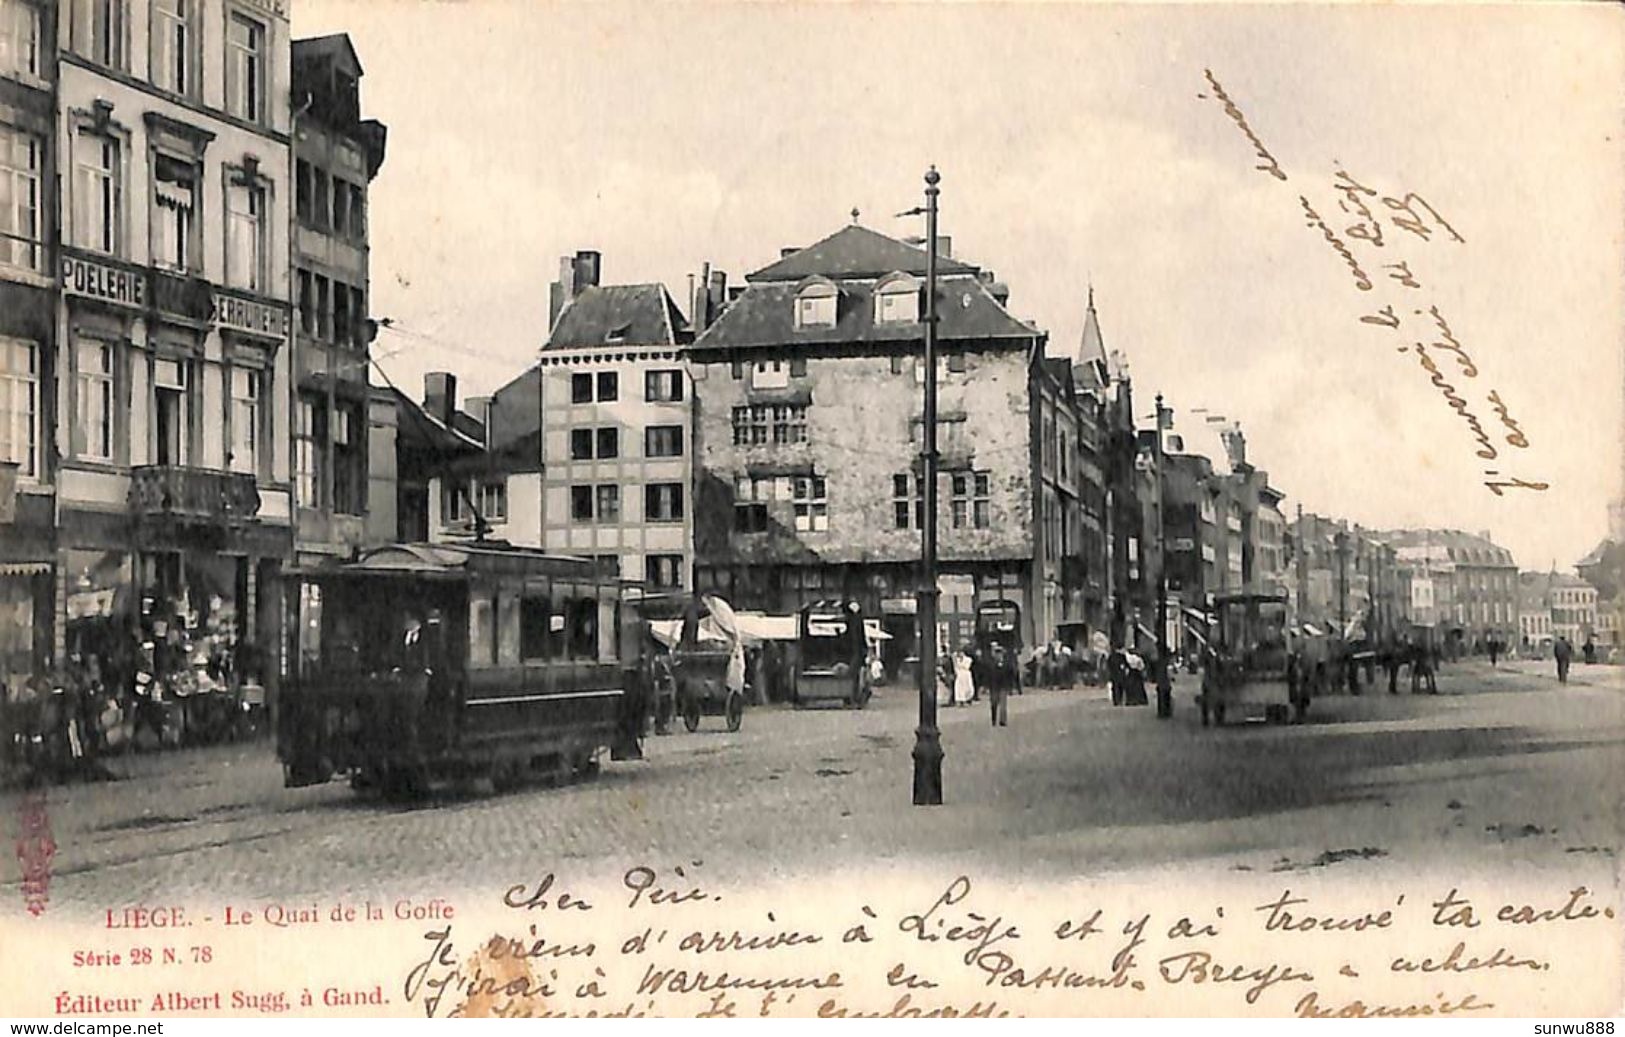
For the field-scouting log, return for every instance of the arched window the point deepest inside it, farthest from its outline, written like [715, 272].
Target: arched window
[897, 300]
[816, 304]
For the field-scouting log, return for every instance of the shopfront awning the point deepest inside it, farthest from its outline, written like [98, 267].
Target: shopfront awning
[25, 568]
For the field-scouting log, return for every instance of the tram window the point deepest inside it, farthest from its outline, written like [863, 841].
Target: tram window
[507, 630]
[583, 628]
[536, 640]
[481, 632]
[609, 631]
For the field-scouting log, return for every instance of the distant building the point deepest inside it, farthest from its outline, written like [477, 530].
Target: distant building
[1484, 599]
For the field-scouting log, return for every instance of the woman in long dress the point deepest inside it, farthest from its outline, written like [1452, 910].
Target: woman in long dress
[964, 683]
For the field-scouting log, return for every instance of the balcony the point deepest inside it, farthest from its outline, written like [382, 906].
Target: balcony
[193, 494]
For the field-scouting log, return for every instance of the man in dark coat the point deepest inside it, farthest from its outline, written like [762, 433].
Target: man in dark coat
[1563, 652]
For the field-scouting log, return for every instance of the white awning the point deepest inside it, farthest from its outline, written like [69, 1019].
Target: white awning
[175, 196]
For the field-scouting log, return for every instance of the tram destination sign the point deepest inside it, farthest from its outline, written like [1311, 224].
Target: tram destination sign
[93, 280]
[257, 318]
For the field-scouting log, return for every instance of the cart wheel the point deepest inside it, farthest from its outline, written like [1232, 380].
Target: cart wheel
[691, 715]
[735, 711]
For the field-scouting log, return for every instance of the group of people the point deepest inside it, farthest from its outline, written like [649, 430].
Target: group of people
[965, 674]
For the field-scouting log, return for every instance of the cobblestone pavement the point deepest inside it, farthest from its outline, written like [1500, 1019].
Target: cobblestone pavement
[1503, 763]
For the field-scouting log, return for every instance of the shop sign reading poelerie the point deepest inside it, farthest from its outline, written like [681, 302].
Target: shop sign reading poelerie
[102, 281]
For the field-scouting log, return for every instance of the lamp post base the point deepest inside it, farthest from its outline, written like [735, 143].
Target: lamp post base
[927, 767]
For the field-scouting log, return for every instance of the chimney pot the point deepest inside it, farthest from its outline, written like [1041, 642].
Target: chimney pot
[440, 395]
[587, 267]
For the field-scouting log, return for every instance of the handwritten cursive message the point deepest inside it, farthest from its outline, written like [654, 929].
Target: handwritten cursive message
[1377, 223]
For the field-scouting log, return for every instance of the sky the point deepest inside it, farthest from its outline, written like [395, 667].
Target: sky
[1079, 145]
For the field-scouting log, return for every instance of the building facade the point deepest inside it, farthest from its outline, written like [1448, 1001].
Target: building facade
[1482, 599]
[343, 451]
[172, 353]
[808, 436]
[29, 302]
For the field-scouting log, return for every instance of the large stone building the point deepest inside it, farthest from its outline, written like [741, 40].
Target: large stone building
[172, 358]
[343, 432]
[807, 439]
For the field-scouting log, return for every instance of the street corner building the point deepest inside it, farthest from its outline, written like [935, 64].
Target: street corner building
[807, 419]
[151, 478]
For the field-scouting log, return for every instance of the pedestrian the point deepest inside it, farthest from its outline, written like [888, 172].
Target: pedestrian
[1422, 670]
[1001, 668]
[1563, 652]
[964, 683]
[1134, 693]
[1117, 673]
[1495, 650]
[1590, 651]
[1390, 662]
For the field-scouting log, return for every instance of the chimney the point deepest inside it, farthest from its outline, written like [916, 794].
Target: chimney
[1000, 291]
[587, 267]
[440, 395]
[719, 292]
[699, 297]
[479, 407]
[563, 290]
[945, 247]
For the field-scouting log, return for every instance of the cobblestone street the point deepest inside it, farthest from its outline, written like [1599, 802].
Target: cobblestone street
[1503, 765]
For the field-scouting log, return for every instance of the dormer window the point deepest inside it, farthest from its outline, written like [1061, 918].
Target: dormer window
[897, 300]
[816, 305]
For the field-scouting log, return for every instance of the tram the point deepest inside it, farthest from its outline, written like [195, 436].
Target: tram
[1252, 667]
[832, 647]
[428, 662]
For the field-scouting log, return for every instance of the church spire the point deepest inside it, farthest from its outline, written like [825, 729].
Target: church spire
[1092, 348]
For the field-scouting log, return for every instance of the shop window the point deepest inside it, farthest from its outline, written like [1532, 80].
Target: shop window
[19, 406]
[663, 441]
[19, 39]
[97, 193]
[245, 67]
[22, 232]
[663, 502]
[664, 572]
[663, 386]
